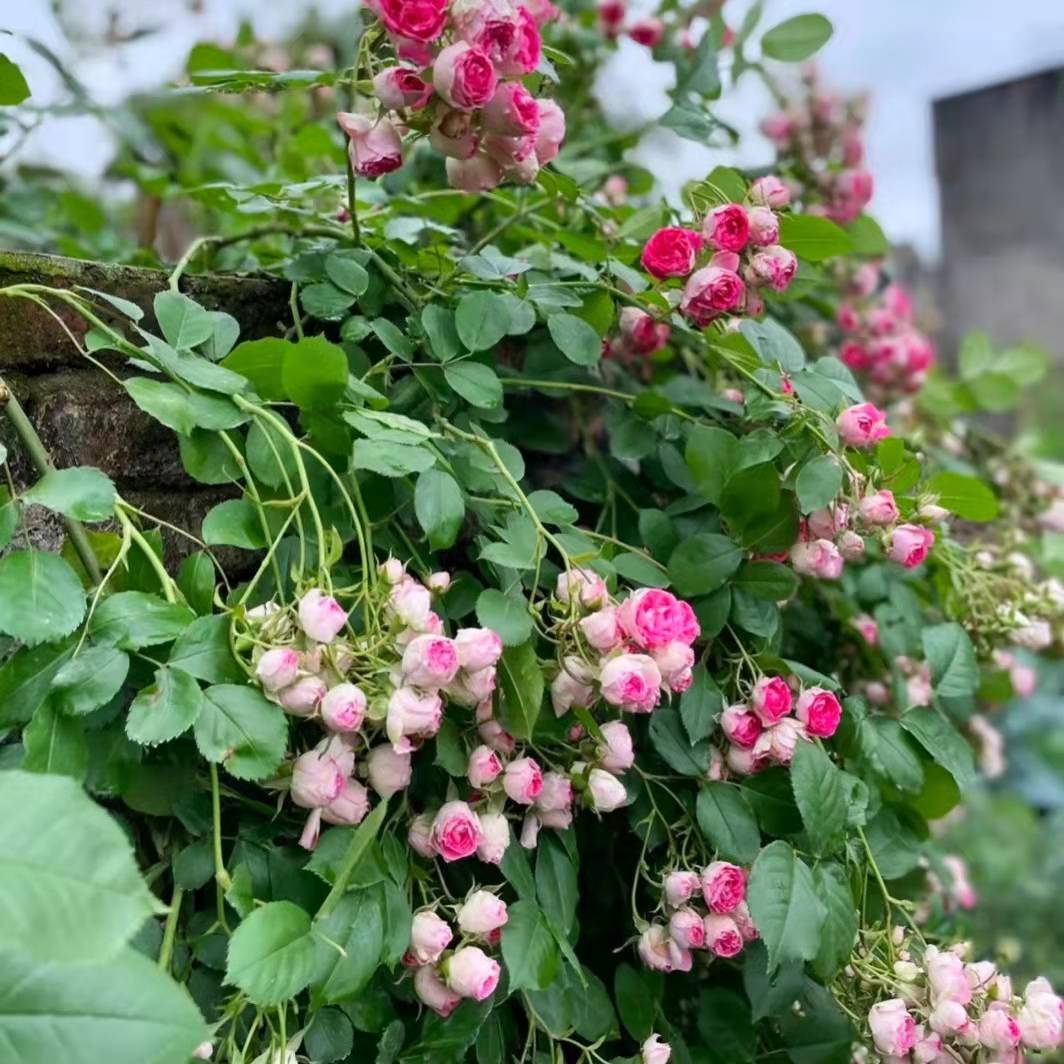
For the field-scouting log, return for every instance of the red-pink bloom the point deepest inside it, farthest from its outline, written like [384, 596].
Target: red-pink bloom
[524, 57]
[464, 76]
[862, 425]
[854, 188]
[723, 937]
[867, 627]
[671, 252]
[652, 618]
[740, 725]
[417, 20]
[456, 831]
[910, 544]
[398, 87]
[611, 15]
[855, 355]
[774, 266]
[647, 31]
[551, 132]
[819, 711]
[770, 191]
[771, 699]
[879, 508]
[723, 886]
[726, 228]
[710, 292]
[632, 682]
[512, 111]
[998, 1030]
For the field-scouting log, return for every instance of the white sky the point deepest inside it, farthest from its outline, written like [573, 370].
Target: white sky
[908, 52]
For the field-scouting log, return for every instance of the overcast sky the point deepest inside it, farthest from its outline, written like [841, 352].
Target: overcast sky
[908, 52]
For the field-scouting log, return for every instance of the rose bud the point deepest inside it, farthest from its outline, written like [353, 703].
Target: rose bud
[740, 725]
[862, 425]
[686, 929]
[819, 711]
[430, 661]
[723, 886]
[653, 618]
[818, 557]
[320, 616]
[744, 922]
[601, 629]
[1041, 1016]
[477, 648]
[464, 76]
[481, 914]
[317, 778]
[769, 192]
[472, 973]
[764, 226]
[909, 545]
[523, 780]
[879, 508]
[631, 681]
[653, 949]
[484, 767]
[710, 292]
[655, 1051]
[649, 32]
[893, 1029]
[512, 111]
[495, 837]
[433, 992]
[203, 1051]
[349, 807]
[581, 585]
[303, 697]
[998, 1030]
[675, 661]
[715, 771]
[411, 713]
[867, 628]
[671, 252]
[551, 131]
[374, 146]
[456, 831]
[392, 570]
[851, 546]
[429, 936]
[572, 686]
[556, 795]
[388, 771]
[616, 753]
[343, 708]
[827, 522]
[948, 1017]
[774, 266]
[398, 87]
[419, 834]
[723, 938]
[606, 792]
[496, 736]
[529, 837]
[771, 699]
[783, 738]
[277, 668]
[479, 174]
[412, 603]
[680, 887]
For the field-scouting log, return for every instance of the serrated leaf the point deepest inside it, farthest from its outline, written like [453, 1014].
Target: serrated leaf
[727, 822]
[506, 614]
[575, 338]
[521, 685]
[90, 680]
[271, 953]
[951, 659]
[784, 905]
[240, 729]
[134, 619]
[83, 493]
[839, 931]
[166, 709]
[700, 705]
[942, 741]
[818, 483]
[439, 507]
[528, 948]
[820, 794]
[41, 597]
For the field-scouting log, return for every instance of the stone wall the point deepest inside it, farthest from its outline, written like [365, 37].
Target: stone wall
[84, 417]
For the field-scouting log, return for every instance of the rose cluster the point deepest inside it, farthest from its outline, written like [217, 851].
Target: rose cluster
[443, 976]
[685, 26]
[951, 1010]
[766, 728]
[458, 82]
[738, 246]
[378, 694]
[705, 911]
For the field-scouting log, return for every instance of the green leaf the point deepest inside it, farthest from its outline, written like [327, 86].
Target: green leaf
[869, 240]
[182, 410]
[813, 238]
[521, 685]
[951, 659]
[942, 741]
[166, 709]
[233, 523]
[818, 1031]
[195, 579]
[796, 39]
[202, 650]
[391, 459]
[727, 822]
[774, 344]
[329, 1037]
[766, 580]
[552, 509]
[314, 373]
[10, 514]
[784, 905]
[556, 884]
[69, 885]
[26, 677]
[90, 680]
[347, 274]
[703, 563]
[357, 926]
[41, 597]
[818, 483]
[638, 569]
[392, 337]
[207, 459]
[724, 1023]
[55, 744]
[893, 755]
[506, 614]
[439, 507]
[575, 338]
[133, 619]
[528, 948]
[271, 953]
[124, 1011]
[967, 497]
[820, 793]
[261, 362]
[13, 87]
[477, 384]
[712, 455]
[240, 729]
[83, 493]
[839, 931]
[635, 1005]
[438, 323]
[895, 847]
[184, 322]
[671, 742]
[700, 705]
[482, 320]
[325, 301]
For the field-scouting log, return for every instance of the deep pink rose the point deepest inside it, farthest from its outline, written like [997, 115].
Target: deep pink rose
[774, 266]
[723, 886]
[456, 832]
[398, 87]
[727, 228]
[416, 20]
[652, 618]
[710, 292]
[910, 544]
[649, 32]
[723, 937]
[671, 252]
[771, 699]
[512, 111]
[740, 725]
[464, 76]
[527, 49]
[631, 681]
[819, 711]
[862, 425]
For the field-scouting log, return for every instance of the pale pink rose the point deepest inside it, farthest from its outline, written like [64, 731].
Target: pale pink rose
[775, 266]
[675, 661]
[606, 791]
[671, 252]
[480, 684]
[495, 837]
[653, 949]
[771, 699]
[851, 546]
[601, 629]
[317, 778]
[433, 992]
[867, 628]
[745, 762]
[530, 826]
[740, 725]
[744, 922]
[1041, 1016]
[320, 616]
[203, 1051]
[820, 711]
[764, 226]
[771, 191]
[496, 736]
[686, 929]
[472, 973]
[616, 752]
[572, 686]
[945, 976]
[551, 131]
[782, 739]
[278, 668]
[653, 618]
[581, 585]
[412, 713]
[817, 557]
[631, 681]
[680, 887]
[480, 173]
[430, 661]
[710, 292]
[477, 648]
[456, 831]
[655, 1051]
[419, 834]
[1024, 680]
[412, 603]
[556, 794]
[723, 886]
[990, 746]
[349, 807]
[438, 582]
[464, 76]
[512, 111]
[893, 1028]
[429, 936]
[1033, 635]
[828, 522]
[388, 771]
[918, 689]
[928, 1049]
[304, 696]
[523, 780]
[961, 889]
[726, 228]
[453, 134]
[879, 508]
[392, 569]
[344, 708]
[715, 771]
[862, 425]
[723, 937]
[484, 767]
[308, 838]
[398, 87]
[982, 975]
[910, 544]
[481, 913]
[998, 1029]
[374, 146]
[948, 1017]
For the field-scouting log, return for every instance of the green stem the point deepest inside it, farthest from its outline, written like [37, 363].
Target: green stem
[166, 951]
[222, 882]
[153, 559]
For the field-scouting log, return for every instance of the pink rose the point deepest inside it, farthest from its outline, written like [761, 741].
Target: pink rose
[740, 725]
[680, 887]
[616, 752]
[855, 355]
[642, 333]
[828, 522]
[606, 792]
[655, 1051]
[879, 508]
[649, 32]
[710, 292]
[726, 228]
[723, 886]
[611, 15]
[764, 226]
[771, 699]
[419, 20]
[456, 831]
[464, 76]
[527, 50]
[1041, 1016]
[909, 545]
[819, 711]
[453, 135]
[398, 87]
[782, 739]
[411, 602]
[472, 973]
[946, 977]
[412, 713]
[745, 762]
[998, 1029]
[430, 661]
[653, 949]
[867, 628]
[484, 767]
[494, 838]
[817, 557]
[320, 616]
[431, 989]
[686, 929]
[477, 648]
[928, 1049]
[851, 545]
[419, 834]
[572, 686]
[675, 661]
[770, 191]
[480, 173]
[523, 780]
[893, 1029]
[601, 629]
[551, 131]
[671, 252]
[723, 937]
[631, 681]
[496, 736]
[303, 697]
[774, 266]
[349, 807]
[556, 795]
[854, 188]
[512, 111]
[343, 708]
[581, 585]
[317, 778]
[948, 1017]
[429, 936]
[481, 913]
[862, 425]
[375, 148]
[653, 618]
[277, 668]
[744, 922]
[388, 771]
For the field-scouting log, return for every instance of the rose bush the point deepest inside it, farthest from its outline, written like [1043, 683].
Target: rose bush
[593, 625]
